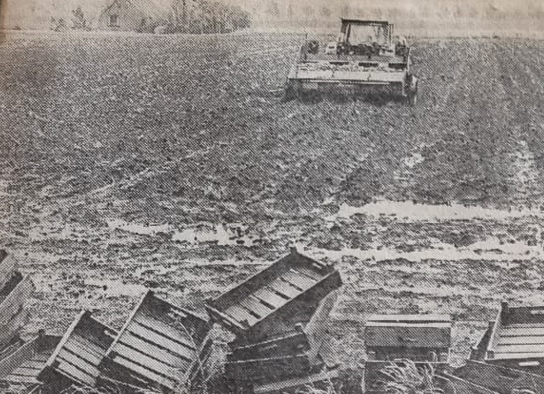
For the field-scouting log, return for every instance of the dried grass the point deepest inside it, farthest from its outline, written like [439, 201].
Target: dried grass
[405, 377]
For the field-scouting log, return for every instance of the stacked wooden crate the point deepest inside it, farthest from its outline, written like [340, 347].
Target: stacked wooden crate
[509, 356]
[78, 355]
[280, 320]
[161, 346]
[423, 339]
[15, 289]
[19, 371]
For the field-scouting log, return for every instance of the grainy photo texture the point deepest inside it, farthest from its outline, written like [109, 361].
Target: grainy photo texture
[271, 197]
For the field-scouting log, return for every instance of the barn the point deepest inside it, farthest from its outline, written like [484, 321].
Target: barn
[134, 15]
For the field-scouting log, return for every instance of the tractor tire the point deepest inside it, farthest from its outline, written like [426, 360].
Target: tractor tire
[411, 97]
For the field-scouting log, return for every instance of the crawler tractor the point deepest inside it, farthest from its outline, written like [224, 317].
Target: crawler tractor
[367, 61]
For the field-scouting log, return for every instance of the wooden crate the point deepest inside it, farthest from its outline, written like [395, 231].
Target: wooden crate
[282, 367]
[301, 338]
[515, 339]
[13, 315]
[274, 300]
[79, 352]
[415, 337]
[321, 380]
[22, 367]
[452, 384]
[273, 368]
[8, 267]
[161, 346]
[499, 379]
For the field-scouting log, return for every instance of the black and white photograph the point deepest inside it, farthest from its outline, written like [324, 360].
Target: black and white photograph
[271, 197]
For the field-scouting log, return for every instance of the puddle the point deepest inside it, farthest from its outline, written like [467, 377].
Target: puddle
[409, 211]
[116, 288]
[54, 230]
[489, 251]
[134, 228]
[158, 270]
[230, 235]
[216, 234]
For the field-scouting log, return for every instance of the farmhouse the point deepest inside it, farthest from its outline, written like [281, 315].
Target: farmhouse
[134, 15]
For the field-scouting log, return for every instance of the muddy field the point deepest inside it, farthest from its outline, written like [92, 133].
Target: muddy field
[171, 163]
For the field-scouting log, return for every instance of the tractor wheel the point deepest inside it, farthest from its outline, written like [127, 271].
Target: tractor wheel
[412, 98]
[412, 95]
[291, 91]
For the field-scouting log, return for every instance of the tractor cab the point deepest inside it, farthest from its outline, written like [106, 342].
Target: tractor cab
[367, 38]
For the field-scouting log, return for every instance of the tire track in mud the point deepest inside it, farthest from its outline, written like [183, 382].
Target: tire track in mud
[435, 98]
[518, 79]
[470, 152]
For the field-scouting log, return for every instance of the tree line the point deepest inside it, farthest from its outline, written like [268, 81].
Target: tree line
[184, 16]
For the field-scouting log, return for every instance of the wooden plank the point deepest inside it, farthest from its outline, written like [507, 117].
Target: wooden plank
[429, 325]
[276, 347]
[527, 340]
[516, 356]
[461, 386]
[69, 352]
[22, 354]
[41, 357]
[145, 372]
[77, 342]
[8, 265]
[33, 364]
[156, 325]
[256, 306]
[30, 372]
[163, 355]
[292, 283]
[525, 325]
[283, 287]
[74, 373]
[498, 378]
[11, 329]
[21, 378]
[167, 369]
[409, 318]
[309, 273]
[83, 364]
[135, 330]
[86, 340]
[15, 300]
[269, 297]
[298, 280]
[519, 349]
[521, 332]
[176, 349]
[241, 315]
[262, 369]
[293, 385]
[408, 337]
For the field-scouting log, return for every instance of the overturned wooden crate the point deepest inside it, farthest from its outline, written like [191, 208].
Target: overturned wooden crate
[161, 347]
[423, 339]
[78, 354]
[301, 337]
[273, 301]
[299, 352]
[19, 371]
[319, 382]
[15, 289]
[482, 378]
[515, 339]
